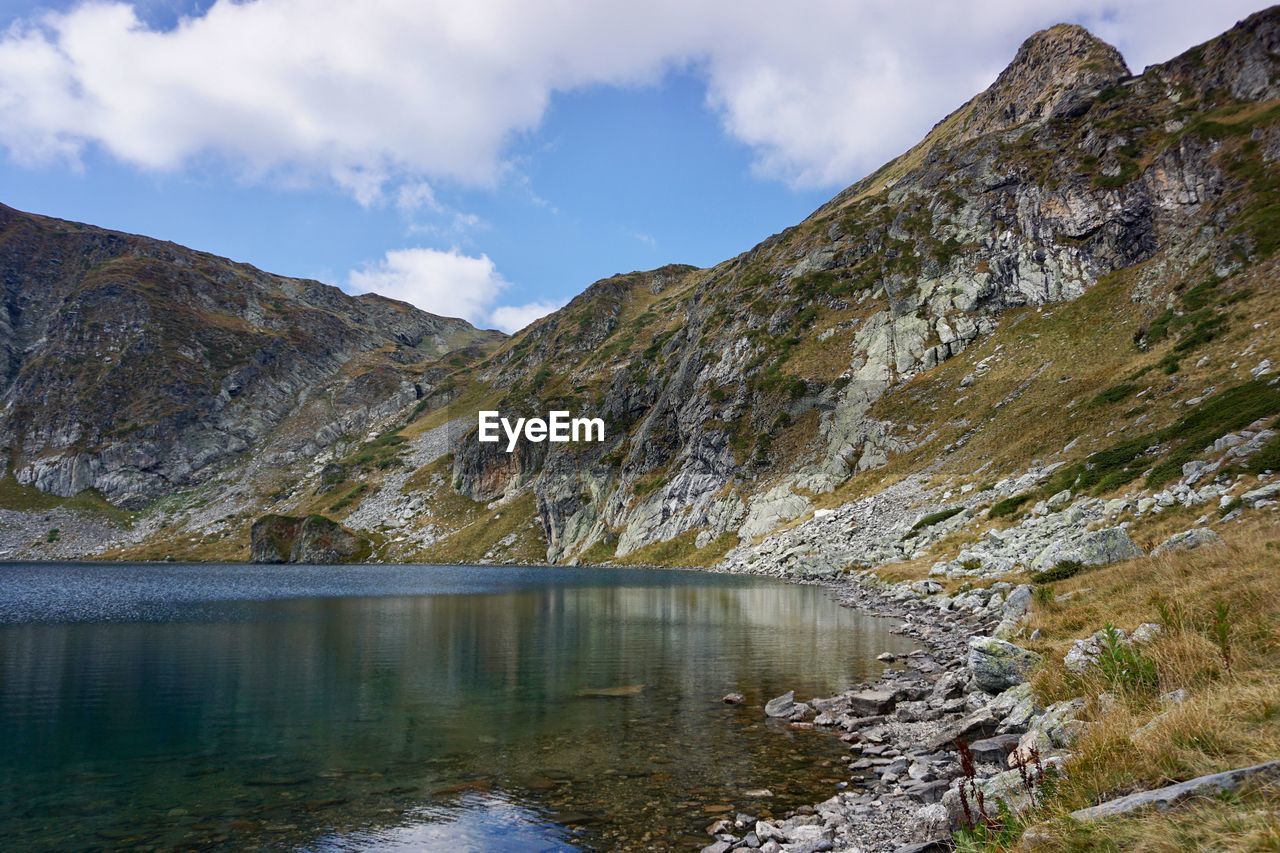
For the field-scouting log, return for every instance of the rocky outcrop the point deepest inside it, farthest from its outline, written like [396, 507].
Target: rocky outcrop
[1170, 795]
[312, 539]
[137, 367]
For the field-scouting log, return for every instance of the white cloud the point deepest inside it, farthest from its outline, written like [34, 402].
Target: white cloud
[513, 318]
[382, 94]
[447, 283]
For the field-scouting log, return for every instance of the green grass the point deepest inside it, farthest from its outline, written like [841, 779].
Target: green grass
[1114, 394]
[16, 496]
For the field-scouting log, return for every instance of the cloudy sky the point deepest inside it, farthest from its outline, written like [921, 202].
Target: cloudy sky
[490, 158]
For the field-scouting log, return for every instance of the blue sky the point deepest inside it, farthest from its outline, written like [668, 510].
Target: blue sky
[484, 164]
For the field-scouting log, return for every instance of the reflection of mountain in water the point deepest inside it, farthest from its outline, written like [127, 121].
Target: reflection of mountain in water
[324, 713]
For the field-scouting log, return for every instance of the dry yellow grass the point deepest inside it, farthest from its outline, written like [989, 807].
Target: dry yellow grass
[1134, 740]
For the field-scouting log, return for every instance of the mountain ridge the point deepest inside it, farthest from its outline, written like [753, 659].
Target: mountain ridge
[744, 396]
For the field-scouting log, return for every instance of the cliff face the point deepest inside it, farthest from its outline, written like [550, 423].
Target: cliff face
[737, 394]
[137, 367]
[828, 362]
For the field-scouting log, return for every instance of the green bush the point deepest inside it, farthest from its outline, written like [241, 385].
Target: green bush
[1060, 572]
[1114, 394]
[1125, 665]
[1009, 505]
[936, 518]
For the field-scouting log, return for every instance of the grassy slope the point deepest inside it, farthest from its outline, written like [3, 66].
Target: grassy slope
[1225, 659]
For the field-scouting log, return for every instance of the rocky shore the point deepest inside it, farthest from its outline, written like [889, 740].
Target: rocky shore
[902, 730]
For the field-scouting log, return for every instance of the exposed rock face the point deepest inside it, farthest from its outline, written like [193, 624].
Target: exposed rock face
[134, 366]
[736, 398]
[998, 665]
[1026, 196]
[313, 539]
[1056, 72]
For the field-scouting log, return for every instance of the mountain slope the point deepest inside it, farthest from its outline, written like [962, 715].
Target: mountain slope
[136, 367]
[946, 319]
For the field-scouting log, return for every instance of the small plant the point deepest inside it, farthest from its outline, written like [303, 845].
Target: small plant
[1125, 666]
[1171, 615]
[1114, 394]
[1043, 595]
[1220, 631]
[53, 535]
[1059, 572]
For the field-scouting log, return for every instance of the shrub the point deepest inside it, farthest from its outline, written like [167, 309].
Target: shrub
[1125, 666]
[1060, 572]
[1009, 505]
[1114, 394]
[936, 518]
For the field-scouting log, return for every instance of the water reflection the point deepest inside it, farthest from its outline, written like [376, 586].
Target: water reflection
[516, 709]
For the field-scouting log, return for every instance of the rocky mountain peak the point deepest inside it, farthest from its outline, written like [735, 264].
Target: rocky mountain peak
[1052, 71]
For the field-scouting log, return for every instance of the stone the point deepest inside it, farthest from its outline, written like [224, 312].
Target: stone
[1187, 540]
[929, 823]
[996, 749]
[997, 664]
[1171, 795]
[781, 706]
[867, 703]
[1095, 548]
[1260, 495]
[311, 539]
[767, 832]
[1085, 653]
[1058, 501]
[734, 699]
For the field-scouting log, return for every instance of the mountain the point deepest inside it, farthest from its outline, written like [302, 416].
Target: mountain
[1075, 255]
[138, 368]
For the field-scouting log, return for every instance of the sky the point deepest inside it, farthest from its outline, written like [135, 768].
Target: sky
[489, 159]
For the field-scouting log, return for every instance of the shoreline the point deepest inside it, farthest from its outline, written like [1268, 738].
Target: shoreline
[900, 730]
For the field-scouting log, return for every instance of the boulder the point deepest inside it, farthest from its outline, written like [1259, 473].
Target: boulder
[1095, 548]
[1171, 795]
[994, 750]
[998, 664]
[1187, 540]
[868, 703]
[312, 539]
[1269, 492]
[782, 706]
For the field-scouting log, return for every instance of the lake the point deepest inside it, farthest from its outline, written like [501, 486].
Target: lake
[162, 706]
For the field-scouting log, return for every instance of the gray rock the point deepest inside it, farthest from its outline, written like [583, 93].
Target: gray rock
[1095, 548]
[781, 706]
[1187, 540]
[994, 750]
[929, 823]
[1265, 493]
[734, 699]
[997, 664]
[867, 703]
[1171, 795]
